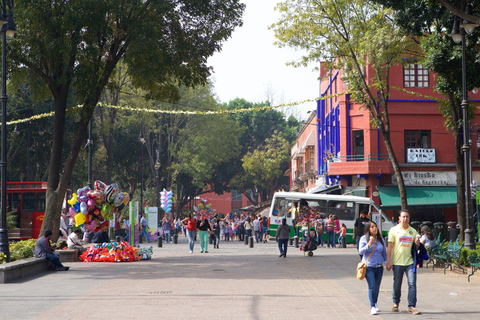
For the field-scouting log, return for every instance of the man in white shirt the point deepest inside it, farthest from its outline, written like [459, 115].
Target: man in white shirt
[257, 227]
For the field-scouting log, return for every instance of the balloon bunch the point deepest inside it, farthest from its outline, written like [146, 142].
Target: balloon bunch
[166, 200]
[115, 252]
[93, 208]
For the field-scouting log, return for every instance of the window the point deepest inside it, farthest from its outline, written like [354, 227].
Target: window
[236, 196]
[417, 139]
[344, 210]
[415, 76]
[28, 201]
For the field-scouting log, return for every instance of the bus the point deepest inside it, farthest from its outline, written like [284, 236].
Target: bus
[27, 201]
[346, 208]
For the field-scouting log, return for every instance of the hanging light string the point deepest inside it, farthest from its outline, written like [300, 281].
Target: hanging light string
[212, 112]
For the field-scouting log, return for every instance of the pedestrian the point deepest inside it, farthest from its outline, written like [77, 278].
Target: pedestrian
[43, 249]
[215, 224]
[359, 226]
[126, 227]
[337, 227]
[191, 230]
[374, 254]
[265, 229]
[257, 229]
[330, 228]
[144, 225]
[248, 227]
[282, 238]
[167, 226]
[342, 234]
[400, 259]
[320, 230]
[73, 241]
[116, 226]
[204, 229]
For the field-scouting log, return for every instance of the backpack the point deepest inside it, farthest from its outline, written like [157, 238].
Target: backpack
[320, 228]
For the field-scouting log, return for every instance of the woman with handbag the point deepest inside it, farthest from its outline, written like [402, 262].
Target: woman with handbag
[374, 255]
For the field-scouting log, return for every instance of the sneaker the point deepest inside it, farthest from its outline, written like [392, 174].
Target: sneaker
[414, 311]
[191, 251]
[373, 311]
[206, 251]
[376, 308]
[201, 251]
[61, 269]
[395, 307]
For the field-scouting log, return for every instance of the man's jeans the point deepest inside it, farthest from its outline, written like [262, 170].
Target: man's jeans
[398, 272]
[282, 246]
[168, 238]
[331, 238]
[144, 233]
[257, 235]
[374, 279]
[54, 258]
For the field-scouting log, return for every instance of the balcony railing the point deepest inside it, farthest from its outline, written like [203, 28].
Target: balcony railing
[360, 157]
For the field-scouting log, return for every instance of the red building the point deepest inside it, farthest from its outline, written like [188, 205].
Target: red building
[224, 203]
[351, 157]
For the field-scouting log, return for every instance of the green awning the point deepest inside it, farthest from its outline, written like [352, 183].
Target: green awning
[431, 197]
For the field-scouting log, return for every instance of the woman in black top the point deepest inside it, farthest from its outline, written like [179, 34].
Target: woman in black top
[204, 228]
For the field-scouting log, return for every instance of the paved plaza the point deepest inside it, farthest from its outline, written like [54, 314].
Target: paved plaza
[233, 282]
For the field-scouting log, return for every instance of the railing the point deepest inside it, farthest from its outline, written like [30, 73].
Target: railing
[360, 157]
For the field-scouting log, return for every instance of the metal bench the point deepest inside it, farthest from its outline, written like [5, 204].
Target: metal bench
[431, 256]
[474, 263]
[448, 255]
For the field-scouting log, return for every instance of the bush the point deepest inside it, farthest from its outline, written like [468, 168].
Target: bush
[20, 250]
[468, 252]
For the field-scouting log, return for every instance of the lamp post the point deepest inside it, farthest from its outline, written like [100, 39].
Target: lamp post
[8, 29]
[157, 181]
[465, 27]
[142, 141]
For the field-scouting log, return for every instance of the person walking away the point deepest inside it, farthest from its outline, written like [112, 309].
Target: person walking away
[372, 248]
[399, 258]
[43, 249]
[126, 227]
[191, 230]
[282, 238]
[342, 234]
[264, 229]
[257, 229]
[204, 228]
[359, 226]
[167, 226]
[248, 227]
[330, 228]
[320, 231]
[337, 227]
[215, 224]
[144, 223]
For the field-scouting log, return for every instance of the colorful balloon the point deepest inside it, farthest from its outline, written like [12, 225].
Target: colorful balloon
[79, 220]
[83, 208]
[99, 185]
[73, 199]
[111, 192]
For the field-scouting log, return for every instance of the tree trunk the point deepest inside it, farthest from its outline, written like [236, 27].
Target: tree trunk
[396, 168]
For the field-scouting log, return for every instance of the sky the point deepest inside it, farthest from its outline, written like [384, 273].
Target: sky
[250, 66]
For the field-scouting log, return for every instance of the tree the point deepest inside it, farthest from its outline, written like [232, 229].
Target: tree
[357, 35]
[164, 43]
[442, 56]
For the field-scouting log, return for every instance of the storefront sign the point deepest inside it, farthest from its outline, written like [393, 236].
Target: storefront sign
[420, 155]
[427, 178]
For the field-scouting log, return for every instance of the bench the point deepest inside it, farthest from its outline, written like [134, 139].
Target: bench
[438, 244]
[474, 263]
[20, 269]
[448, 255]
[9, 272]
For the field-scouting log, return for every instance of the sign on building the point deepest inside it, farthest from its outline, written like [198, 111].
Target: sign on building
[420, 155]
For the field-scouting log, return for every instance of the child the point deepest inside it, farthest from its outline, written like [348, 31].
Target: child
[342, 233]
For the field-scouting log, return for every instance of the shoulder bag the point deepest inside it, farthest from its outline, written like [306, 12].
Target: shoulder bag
[362, 266]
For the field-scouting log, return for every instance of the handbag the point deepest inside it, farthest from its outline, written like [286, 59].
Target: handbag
[362, 266]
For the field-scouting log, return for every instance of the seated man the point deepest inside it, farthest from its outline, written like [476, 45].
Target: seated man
[73, 241]
[44, 250]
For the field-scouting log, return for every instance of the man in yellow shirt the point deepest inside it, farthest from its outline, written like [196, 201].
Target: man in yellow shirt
[399, 257]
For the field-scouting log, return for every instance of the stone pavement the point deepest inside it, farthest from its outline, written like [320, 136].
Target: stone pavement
[233, 282]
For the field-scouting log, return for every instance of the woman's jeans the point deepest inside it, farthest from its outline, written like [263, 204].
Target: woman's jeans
[216, 239]
[331, 238]
[374, 279]
[248, 233]
[398, 272]
[191, 238]
[282, 246]
[203, 240]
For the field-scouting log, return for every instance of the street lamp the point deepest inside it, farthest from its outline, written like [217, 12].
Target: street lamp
[89, 148]
[8, 29]
[157, 181]
[142, 141]
[469, 233]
